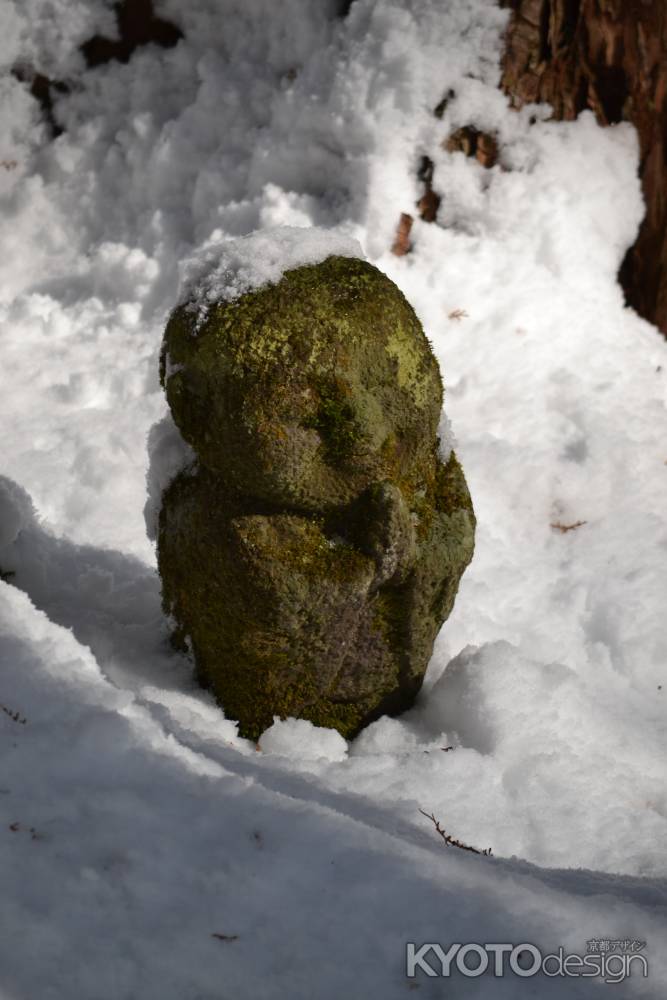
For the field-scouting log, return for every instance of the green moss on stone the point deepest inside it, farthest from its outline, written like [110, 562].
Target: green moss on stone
[451, 491]
[310, 376]
[336, 423]
[311, 559]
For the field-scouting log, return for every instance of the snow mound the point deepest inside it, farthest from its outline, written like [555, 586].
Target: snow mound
[228, 268]
[300, 738]
[386, 736]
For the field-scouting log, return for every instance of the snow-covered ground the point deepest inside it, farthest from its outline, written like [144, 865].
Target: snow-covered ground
[134, 824]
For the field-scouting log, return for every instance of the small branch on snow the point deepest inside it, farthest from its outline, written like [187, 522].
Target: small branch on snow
[564, 528]
[452, 841]
[20, 828]
[14, 716]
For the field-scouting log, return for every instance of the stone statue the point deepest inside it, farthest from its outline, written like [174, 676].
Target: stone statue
[313, 551]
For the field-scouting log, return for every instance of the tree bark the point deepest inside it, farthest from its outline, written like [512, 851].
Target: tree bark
[609, 56]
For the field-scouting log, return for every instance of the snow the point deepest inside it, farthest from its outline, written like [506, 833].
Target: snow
[127, 853]
[168, 454]
[225, 269]
[447, 437]
[15, 512]
[300, 738]
[541, 728]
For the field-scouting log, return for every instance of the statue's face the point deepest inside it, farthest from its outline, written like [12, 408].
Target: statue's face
[306, 392]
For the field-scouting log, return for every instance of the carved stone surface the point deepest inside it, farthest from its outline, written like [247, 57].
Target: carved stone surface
[312, 556]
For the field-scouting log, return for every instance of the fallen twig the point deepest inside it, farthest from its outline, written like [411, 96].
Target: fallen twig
[14, 716]
[564, 528]
[452, 841]
[20, 828]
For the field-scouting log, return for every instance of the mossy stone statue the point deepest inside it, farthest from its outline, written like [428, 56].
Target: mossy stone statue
[311, 556]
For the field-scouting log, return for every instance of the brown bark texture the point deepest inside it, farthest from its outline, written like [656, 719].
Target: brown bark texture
[609, 56]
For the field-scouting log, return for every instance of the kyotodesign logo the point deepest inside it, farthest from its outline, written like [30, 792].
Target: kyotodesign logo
[607, 959]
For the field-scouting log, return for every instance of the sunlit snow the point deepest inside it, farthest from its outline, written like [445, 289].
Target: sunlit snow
[135, 824]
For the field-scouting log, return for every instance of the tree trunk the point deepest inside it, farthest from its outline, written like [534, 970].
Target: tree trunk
[609, 56]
